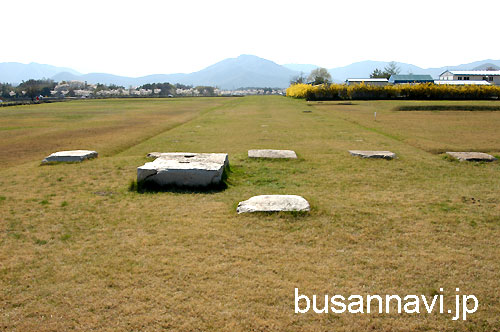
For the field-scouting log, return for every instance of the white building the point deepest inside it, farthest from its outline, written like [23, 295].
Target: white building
[367, 81]
[462, 82]
[491, 76]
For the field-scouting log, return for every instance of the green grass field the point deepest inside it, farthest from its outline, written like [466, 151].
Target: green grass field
[79, 251]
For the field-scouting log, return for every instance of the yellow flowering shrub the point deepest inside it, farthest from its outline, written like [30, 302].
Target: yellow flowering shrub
[398, 91]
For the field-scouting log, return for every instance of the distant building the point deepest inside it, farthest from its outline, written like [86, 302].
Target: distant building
[448, 82]
[491, 76]
[410, 78]
[367, 81]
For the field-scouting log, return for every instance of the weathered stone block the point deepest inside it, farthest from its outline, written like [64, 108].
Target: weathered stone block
[274, 203]
[471, 156]
[70, 156]
[373, 154]
[266, 153]
[184, 169]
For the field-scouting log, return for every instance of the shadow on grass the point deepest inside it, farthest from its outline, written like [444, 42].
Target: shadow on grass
[345, 103]
[289, 215]
[53, 163]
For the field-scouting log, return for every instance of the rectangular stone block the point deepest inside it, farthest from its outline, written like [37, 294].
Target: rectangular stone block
[184, 169]
[373, 154]
[471, 156]
[266, 153]
[70, 156]
[274, 203]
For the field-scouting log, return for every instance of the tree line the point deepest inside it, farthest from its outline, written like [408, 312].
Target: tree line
[34, 89]
[30, 89]
[321, 75]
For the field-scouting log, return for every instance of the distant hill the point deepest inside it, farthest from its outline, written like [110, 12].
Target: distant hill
[476, 65]
[487, 66]
[245, 70]
[473, 65]
[15, 72]
[231, 73]
[365, 68]
[94, 78]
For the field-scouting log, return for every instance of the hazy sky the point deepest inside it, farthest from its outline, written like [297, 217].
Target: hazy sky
[136, 38]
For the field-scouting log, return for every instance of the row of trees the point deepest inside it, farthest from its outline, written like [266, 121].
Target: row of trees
[27, 89]
[322, 76]
[5, 90]
[167, 89]
[32, 89]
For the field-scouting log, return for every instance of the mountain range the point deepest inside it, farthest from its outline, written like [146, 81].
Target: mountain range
[231, 73]
[15, 72]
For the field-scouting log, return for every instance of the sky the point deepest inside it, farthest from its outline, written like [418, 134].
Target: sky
[137, 38]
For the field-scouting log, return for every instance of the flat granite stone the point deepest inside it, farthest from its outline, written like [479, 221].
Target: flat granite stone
[273, 203]
[471, 156]
[266, 153]
[373, 154]
[184, 169]
[70, 156]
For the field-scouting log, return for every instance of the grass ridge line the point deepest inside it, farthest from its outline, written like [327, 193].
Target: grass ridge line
[174, 126]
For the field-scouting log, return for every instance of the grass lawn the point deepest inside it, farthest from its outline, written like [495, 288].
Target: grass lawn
[432, 131]
[79, 251]
[28, 133]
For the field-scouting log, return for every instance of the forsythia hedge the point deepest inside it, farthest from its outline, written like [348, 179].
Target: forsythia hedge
[399, 91]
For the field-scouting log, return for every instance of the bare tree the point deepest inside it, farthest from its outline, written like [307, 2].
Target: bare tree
[301, 78]
[320, 76]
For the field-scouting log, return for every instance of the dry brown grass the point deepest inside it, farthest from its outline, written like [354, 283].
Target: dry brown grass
[78, 251]
[32, 132]
[433, 131]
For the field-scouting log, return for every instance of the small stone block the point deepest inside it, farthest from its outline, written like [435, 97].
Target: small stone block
[70, 156]
[373, 154]
[471, 156]
[274, 203]
[266, 153]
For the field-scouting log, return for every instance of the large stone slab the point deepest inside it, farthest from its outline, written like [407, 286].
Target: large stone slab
[471, 156]
[373, 154]
[184, 169]
[266, 153]
[273, 203]
[70, 156]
